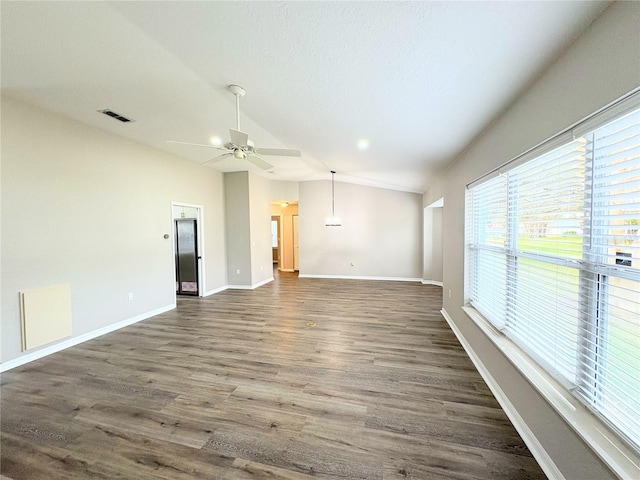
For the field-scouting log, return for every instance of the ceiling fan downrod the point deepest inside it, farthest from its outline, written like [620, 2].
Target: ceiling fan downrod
[238, 92]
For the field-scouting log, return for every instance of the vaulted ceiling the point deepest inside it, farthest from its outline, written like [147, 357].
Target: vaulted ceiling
[418, 80]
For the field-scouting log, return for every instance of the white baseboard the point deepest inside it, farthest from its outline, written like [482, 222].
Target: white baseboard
[43, 352]
[264, 282]
[432, 282]
[250, 287]
[537, 450]
[215, 290]
[358, 277]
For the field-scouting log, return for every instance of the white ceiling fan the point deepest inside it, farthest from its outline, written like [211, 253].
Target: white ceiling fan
[240, 146]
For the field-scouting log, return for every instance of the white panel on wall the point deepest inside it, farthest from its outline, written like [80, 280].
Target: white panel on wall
[45, 314]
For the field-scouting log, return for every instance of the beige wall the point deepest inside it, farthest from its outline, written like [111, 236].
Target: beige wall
[89, 208]
[599, 67]
[381, 232]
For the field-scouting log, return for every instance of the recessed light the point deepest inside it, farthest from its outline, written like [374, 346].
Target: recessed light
[215, 140]
[363, 143]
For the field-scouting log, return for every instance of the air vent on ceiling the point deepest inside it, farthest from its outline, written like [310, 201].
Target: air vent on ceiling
[117, 116]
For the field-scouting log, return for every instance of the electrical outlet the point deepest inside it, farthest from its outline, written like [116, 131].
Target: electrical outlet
[449, 293]
[130, 296]
[237, 271]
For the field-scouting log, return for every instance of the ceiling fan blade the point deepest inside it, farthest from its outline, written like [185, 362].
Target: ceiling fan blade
[283, 152]
[238, 138]
[259, 162]
[197, 144]
[217, 159]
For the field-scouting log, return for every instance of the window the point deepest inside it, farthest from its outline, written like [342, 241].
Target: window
[553, 261]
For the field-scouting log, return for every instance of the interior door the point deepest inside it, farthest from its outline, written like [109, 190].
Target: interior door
[186, 257]
[296, 256]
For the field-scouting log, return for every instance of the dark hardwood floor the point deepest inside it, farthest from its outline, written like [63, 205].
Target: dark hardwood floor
[300, 378]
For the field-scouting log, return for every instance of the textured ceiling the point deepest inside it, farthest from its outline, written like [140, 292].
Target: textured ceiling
[419, 80]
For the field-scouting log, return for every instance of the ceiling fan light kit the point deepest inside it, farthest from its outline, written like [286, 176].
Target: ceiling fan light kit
[240, 147]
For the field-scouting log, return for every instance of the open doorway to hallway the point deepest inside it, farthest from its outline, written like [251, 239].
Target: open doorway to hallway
[276, 240]
[286, 214]
[432, 253]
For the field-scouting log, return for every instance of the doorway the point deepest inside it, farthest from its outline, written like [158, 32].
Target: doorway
[432, 249]
[285, 213]
[276, 240]
[187, 248]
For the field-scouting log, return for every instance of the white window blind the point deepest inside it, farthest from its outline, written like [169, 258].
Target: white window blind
[553, 260]
[489, 216]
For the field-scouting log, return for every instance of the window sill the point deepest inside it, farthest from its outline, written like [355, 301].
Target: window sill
[607, 445]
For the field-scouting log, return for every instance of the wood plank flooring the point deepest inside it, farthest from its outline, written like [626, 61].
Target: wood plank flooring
[241, 385]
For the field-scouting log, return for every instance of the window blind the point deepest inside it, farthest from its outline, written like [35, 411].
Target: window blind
[489, 216]
[553, 260]
[610, 376]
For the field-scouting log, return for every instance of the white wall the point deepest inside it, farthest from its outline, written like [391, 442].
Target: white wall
[598, 68]
[284, 191]
[88, 208]
[381, 232]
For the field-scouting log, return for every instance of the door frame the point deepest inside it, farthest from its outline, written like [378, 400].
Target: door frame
[200, 244]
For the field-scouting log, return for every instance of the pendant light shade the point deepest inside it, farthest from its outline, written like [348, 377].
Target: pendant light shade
[333, 221]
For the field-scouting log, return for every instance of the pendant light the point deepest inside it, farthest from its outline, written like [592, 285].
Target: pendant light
[333, 221]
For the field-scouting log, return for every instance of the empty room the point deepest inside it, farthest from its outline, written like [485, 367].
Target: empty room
[339, 240]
